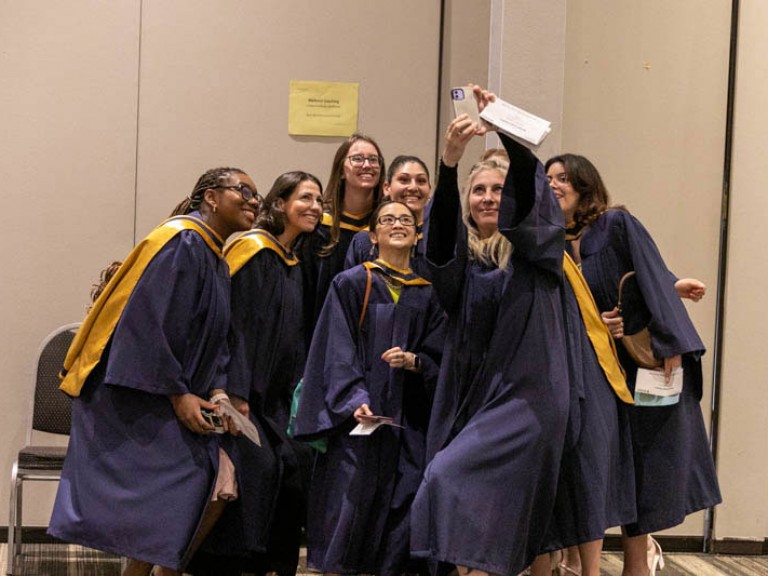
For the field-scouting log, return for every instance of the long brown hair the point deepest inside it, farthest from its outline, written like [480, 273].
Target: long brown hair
[271, 218]
[333, 197]
[594, 199]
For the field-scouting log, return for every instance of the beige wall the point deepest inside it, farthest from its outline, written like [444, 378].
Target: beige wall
[465, 60]
[214, 86]
[743, 466]
[532, 59]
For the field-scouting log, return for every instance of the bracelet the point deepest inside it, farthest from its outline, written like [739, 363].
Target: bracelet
[218, 398]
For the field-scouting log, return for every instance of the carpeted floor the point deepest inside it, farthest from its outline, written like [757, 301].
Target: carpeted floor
[62, 560]
[67, 560]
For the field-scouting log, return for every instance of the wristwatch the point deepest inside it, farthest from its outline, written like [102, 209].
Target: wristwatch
[416, 363]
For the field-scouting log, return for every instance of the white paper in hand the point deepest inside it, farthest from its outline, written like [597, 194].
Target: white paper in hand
[371, 423]
[653, 382]
[243, 424]
[516, 122]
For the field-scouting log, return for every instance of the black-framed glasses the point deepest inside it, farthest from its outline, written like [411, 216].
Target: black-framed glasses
[358, 160]
[389, 220]
[246, 192]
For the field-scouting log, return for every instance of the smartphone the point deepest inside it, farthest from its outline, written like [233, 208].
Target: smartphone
[214, 420]
[464, 103]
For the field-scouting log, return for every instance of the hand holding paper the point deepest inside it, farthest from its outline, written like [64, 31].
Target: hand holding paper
[369, 423]
[243, 424]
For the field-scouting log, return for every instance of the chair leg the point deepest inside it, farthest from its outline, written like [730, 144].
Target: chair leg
[19, 521]
[11, 551]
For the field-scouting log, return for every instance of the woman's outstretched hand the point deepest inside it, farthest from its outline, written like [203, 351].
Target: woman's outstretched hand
[691, 288]
[458, 134]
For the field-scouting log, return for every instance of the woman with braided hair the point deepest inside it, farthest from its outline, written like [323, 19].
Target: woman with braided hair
[143, 477]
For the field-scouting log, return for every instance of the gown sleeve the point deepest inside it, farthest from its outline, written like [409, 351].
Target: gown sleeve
[334, 379]
[529, 215]
[151, 348]
[447, 239]
[671, 329]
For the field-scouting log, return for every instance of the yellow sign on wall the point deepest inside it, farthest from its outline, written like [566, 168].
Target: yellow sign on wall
[322, 108]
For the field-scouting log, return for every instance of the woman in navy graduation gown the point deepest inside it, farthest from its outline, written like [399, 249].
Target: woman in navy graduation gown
[408, 182]
[375, 351]
[266, 342]
[596, 486]
[355, 188]
[501, 406]
[141, 465]
[674, 471]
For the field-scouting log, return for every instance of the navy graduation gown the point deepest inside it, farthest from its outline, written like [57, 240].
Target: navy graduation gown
[135, 482]
[319, 271]
[499, 417]
[596, 486]
[266, 341]
[674, 471]
[363, 486]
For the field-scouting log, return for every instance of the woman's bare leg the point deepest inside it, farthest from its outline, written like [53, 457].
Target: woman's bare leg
[542, 566]
[590, 552]
[635, 555]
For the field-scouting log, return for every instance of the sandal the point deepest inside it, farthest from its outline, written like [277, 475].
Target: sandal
[655, 557]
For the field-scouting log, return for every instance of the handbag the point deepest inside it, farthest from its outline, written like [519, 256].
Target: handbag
[638, 345]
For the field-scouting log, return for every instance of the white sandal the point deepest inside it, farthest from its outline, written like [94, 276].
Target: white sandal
[655, 557]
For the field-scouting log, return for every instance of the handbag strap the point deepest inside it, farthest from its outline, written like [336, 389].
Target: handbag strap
[624, 278]
[365, 299]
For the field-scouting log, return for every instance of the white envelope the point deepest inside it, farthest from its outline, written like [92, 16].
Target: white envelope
[652, 382]
[516, 122]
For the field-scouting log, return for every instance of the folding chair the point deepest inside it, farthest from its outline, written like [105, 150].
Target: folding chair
[51, 411]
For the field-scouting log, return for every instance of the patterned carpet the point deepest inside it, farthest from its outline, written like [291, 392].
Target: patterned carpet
[66, 560]
[679, 564]
[62, 560]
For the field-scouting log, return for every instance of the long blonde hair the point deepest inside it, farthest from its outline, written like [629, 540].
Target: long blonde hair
[495, 250]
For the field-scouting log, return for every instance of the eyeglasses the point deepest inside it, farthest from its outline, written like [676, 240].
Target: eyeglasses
[358, 160]
[389, 220]
[246, 192]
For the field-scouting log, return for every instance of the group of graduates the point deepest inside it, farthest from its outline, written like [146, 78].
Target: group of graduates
[434, 377]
